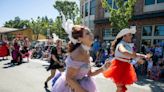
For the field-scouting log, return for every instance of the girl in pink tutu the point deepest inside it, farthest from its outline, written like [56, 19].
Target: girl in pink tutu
[121, 71]
[78, 74]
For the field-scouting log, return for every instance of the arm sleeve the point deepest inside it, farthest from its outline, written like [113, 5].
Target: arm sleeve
[73, 64]
[63, 51]
[54, 51]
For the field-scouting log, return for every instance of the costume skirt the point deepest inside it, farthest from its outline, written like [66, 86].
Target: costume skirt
[61, 85]
[54, 65]
[121, 72]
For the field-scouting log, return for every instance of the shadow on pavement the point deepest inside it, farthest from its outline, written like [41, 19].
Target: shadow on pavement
[45, 66]
[3, 60]
[156, 86]
[9, 64]
[47, 90]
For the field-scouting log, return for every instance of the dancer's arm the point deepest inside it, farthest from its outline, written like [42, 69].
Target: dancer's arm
[55, 59]
[147, 56]
[71, 80]
[54, 54]
[127, 53]
[93, 73]
[131, 54]
[104, 67]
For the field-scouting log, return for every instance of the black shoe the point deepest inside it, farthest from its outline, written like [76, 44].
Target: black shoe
[45, 85]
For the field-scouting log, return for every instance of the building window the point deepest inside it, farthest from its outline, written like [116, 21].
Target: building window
[149, 2]
[158, 42]
[147, 31]
[110, 2]
[92, 7]
[159, 30]
[110, 32]
[86, 23]
[107, 33]
[91, 23]
[86, 9]
[146, 42]
[114, 32]
[160, 1]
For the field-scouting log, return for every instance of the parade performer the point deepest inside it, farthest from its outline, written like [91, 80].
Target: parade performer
[121, 71]
[56, 60]
[77, 77]
[25, 48]
[16, 56]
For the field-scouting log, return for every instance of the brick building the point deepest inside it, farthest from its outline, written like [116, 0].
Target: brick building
[148, 19]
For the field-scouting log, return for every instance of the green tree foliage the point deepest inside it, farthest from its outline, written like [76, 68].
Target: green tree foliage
[44, 25]
[70, 10]
[39, 25]
[121, 14]
[17, 23]
[36, 26]
[78, 20]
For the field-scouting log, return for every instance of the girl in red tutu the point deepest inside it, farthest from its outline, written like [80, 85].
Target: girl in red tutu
[121, 71]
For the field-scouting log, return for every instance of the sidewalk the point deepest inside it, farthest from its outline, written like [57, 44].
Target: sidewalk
[144, 83]
[155, 86]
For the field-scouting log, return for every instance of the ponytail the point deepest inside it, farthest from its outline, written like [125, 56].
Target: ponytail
[114, 43]
[72, 47]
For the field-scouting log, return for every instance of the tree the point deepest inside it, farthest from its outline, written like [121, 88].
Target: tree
[78, 20]
[121, 14]
[17, 23]
[70, 10]
[41, 25]
[36, 26]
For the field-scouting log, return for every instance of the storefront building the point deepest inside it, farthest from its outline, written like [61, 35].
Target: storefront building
[148, 19]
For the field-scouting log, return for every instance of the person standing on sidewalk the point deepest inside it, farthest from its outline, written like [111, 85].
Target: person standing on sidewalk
[121, 71]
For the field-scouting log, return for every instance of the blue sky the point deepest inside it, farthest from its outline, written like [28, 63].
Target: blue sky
[27, 9]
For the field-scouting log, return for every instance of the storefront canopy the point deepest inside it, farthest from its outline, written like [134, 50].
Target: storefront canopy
[7, 30]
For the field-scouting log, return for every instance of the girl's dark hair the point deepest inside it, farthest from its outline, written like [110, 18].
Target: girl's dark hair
[72, 47]
[76, 33]
[114, 43]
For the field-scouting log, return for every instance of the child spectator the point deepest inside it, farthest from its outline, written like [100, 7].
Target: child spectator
[155, 71]
[161, 65]
[149, 67]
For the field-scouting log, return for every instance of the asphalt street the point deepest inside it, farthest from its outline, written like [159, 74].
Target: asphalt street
[30, 77]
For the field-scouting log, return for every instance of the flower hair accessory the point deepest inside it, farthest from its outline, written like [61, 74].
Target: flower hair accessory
[67, 26]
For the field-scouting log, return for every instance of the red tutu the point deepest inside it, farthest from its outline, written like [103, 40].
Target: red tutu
[121, 72]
